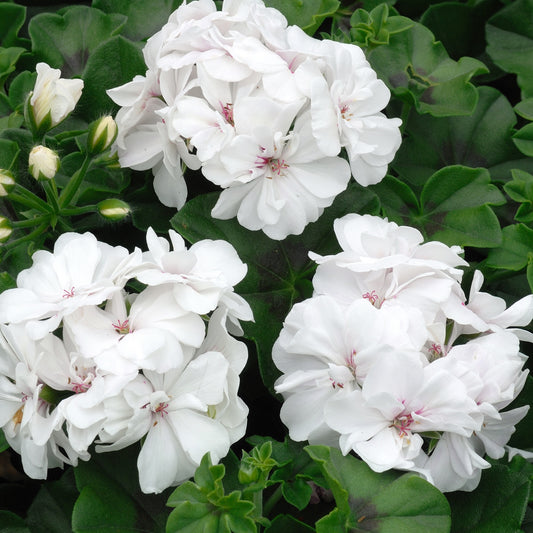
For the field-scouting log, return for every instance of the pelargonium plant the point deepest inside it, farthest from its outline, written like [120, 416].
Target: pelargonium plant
[266, 266]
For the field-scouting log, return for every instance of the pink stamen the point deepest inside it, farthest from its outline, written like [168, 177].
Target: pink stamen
[122, 327]
[80, 387]
[227, 113]
[67, 293]
[372, 297]
[336, 384]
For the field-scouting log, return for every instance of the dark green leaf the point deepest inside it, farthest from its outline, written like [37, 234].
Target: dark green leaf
[529, 271]
[516, 245]
[523, 140]
[51, 510]
[308, 15]
[12, 17]
[12, 523]
[4, 445]
[66, 41]
[460, 27]
[419, 71]
[113, 63]
[288, 524]
[474, 226]
[144, 18]
[8, 60]
[525, 108]
[498, 504]
[103, 504]
[386, 502]
[510, 42]
[481, 140]
[457, 187]
[20, 87]
[8, 154]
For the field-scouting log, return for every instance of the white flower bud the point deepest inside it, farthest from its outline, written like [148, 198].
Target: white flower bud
[7, 182]
[5, 229]
[102, 133]
[43, 163]
[113, 209]
[53, 97]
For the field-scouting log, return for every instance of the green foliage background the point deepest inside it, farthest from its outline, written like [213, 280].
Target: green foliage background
[461, 78]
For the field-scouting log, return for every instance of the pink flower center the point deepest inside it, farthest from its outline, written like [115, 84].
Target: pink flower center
[350, 362]
[68, 293]
[277, 166]
[123, 328]
[227, 113]
[345, 111]
[372, 297]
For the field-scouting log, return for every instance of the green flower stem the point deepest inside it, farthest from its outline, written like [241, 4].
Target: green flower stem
[70, 191]
[38, 231]
[271, 502]
[22, 196]
[75, 211]
[30, 222]
[50, 190]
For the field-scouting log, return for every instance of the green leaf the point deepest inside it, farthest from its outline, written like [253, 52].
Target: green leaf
[525, 108]
[386, 502]
[102, 504]
[144, 18]
[529, 271]
[12, 17]
[9, 152]
[20, 87]
[457, 187]
[12, 523]
[203, 506]
[498, 504]
[51, 510]
[509, 36]
[67, 40]
[523, 140]
[276, 269]
[284, 523]
[474, 226]
[374, 28]
[308, 15]
[513, 253]
[113, 63]
[460, 27]
[481, 140]
[419, 71]
[8, 60]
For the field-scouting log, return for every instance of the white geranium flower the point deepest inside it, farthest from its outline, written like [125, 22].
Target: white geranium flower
[155, 333]
[325, 350]
[179, 413]
[275, 180]
[200, 276]
[80, 271]
[398, 401]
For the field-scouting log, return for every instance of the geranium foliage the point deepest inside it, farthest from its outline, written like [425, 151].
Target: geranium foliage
[168, 169]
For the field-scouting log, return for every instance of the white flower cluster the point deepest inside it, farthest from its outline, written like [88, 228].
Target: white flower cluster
[261, 107]
[83, 360]
[390, 360]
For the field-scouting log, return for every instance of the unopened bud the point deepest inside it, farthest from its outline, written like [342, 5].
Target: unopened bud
[43, 163]
[113, 209]
[5, 229]
[102, 133]
[7, 182]
[52, 99]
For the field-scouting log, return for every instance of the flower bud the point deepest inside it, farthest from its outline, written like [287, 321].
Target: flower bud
[113, 209]
[52, 98]
[43, 163]
[5, 229]
[102, 133]
[7, 182]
